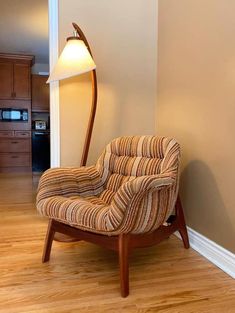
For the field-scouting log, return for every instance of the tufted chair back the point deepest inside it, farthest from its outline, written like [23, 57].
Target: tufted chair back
[126, 158]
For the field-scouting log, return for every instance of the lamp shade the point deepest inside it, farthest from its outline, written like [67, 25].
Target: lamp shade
[74, 60]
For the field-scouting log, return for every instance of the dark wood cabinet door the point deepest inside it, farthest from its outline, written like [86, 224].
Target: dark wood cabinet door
[22, 81]
[6, 80]
[40, 94]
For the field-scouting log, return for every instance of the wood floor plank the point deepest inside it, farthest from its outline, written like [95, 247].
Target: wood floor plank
[82, 277]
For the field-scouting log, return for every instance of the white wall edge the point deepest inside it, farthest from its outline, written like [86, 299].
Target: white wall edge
[157, 14]
[53, 7]
[216, 254]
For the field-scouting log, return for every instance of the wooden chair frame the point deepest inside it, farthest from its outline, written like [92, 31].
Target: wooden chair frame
[122, 243]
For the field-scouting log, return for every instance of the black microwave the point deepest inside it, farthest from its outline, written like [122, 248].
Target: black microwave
[13, 115]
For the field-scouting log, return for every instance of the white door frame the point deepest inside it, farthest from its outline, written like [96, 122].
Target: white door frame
[53, 8]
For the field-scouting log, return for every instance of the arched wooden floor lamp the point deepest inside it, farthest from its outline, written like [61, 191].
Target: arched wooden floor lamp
[76, 59]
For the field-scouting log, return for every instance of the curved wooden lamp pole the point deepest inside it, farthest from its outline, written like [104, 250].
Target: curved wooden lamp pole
[94, 100]
[61, 237]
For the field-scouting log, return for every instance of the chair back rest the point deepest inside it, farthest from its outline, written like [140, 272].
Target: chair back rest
[128, 157]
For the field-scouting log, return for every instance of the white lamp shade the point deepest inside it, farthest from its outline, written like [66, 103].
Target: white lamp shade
[74, 60]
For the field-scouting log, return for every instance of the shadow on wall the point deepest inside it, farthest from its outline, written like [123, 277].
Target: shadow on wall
[205, 210]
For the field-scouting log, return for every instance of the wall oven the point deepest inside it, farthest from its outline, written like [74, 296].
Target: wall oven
[14, 115]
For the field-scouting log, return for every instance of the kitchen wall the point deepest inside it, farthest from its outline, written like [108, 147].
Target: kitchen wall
[122, 35]
[40, 68]
[196, 104]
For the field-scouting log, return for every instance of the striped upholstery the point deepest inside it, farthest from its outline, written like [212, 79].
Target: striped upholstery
[132, 188]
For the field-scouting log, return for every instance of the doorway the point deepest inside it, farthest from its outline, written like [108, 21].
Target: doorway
[24, 69]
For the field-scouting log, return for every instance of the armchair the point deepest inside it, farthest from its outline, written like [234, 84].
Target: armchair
[121, 203]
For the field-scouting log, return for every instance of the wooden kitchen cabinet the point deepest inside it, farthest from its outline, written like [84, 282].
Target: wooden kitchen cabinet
[15, 145]
[6, 79]
[15, 151]
[6, 134]
[15, 93]
[16, 161]
[40, 94]
[15, 76]
[22, 81]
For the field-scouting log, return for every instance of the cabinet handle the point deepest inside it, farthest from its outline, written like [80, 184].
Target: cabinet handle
[15, 142]
[14, 156]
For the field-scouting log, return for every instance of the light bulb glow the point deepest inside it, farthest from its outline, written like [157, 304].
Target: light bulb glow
[75, 59]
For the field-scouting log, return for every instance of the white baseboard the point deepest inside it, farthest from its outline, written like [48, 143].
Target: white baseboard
[219, 256]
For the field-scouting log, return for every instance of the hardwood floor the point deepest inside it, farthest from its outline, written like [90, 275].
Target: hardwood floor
[81, 277]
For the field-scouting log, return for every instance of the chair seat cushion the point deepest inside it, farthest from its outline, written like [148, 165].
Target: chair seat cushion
[87, 213]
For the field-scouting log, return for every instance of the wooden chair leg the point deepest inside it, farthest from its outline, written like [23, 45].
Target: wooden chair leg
[123, 251]
[48, 242]
[182, 226]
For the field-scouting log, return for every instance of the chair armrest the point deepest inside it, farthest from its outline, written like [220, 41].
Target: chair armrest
[139, 186]
[144, 202]
[68, 182]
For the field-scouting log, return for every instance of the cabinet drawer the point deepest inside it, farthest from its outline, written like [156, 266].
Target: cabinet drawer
[22, 134]
[15, 145]
[15, 159]
[6, 133]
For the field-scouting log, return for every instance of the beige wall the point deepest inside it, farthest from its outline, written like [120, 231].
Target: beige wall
[122, 35]
[196, 104]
